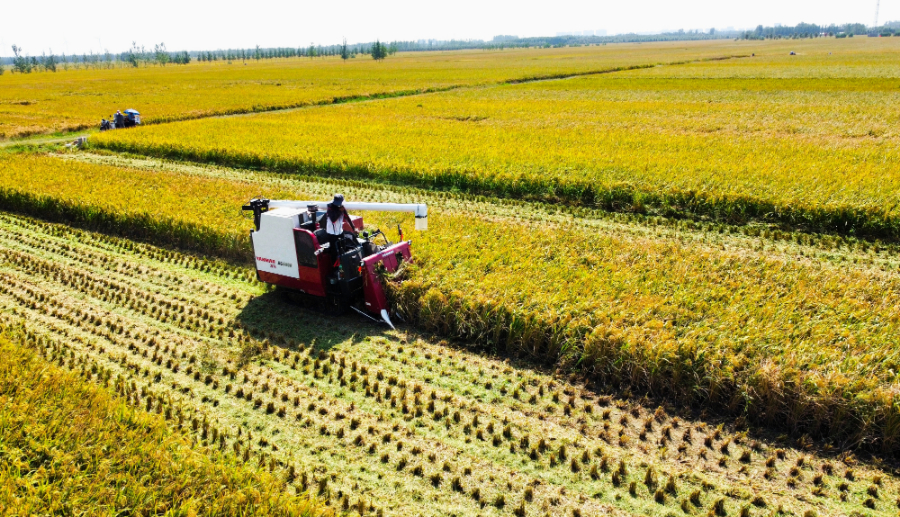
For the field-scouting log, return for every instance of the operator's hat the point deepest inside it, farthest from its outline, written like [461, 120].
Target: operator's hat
[338, 200]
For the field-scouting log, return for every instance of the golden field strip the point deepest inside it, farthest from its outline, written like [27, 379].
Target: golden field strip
[385, 423]
[802, 141]
[76, 100]
[785, 329]
[69, 447]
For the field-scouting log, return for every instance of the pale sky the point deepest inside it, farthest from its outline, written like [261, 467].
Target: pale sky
[81, 26]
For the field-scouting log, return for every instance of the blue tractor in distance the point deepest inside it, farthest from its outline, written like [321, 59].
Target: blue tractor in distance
[120, 120]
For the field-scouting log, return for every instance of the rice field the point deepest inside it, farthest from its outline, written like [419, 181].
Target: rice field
[804, 142]
[77, 99]
[667, 290]
[69, 446]
[387, 423]
[781, 328]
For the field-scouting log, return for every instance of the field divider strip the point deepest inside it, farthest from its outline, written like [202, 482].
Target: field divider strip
[510, 209]
[869, 223]
[568, 75]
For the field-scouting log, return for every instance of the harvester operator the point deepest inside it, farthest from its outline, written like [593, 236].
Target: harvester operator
[336, 222]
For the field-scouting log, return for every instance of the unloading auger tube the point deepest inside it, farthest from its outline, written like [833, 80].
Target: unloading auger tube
[288, 252]
[419, 209]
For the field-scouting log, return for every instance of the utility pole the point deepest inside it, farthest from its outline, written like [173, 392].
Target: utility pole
[877, 6]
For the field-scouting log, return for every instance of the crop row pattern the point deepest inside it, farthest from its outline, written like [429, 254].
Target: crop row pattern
[64, 440]
[383, 423]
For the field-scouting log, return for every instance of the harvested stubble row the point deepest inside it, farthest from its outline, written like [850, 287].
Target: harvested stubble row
[785, 334]
[383, 422]
[74, 100]
[760, 140]
[69, 447]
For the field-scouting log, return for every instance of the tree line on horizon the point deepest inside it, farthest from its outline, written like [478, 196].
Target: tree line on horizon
[811, 30]
[138, 56]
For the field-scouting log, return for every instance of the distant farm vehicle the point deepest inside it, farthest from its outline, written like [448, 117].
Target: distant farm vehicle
[129, 118]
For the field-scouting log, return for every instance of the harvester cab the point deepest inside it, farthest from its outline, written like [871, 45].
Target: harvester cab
[293, 252]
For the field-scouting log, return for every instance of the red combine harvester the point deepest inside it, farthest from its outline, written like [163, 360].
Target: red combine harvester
[294, 253]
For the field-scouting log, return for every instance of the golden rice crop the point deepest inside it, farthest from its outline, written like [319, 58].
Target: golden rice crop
[814, 59]
[73, 100]
[381, 422]
[765, 327]
[738, 145]
[67, 444]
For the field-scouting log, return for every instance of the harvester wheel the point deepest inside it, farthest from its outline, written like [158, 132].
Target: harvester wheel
[335, 305]
[291, 296]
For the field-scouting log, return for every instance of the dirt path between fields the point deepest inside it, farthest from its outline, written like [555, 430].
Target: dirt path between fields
[40, 141]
